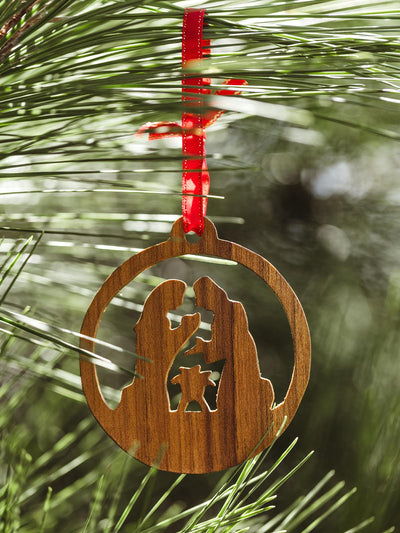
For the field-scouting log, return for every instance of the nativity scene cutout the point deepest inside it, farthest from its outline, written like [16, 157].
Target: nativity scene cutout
[225, 435]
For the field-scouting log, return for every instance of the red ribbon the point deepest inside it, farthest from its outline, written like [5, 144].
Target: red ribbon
[195, 177]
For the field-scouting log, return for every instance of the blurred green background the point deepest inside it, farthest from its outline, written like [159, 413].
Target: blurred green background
[307, 162]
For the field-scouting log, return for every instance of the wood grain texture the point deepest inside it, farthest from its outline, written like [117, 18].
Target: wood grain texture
[206, 440]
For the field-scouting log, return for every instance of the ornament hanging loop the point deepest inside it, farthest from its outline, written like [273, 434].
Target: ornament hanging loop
[195, 177]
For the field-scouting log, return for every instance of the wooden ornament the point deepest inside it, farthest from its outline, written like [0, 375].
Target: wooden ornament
[245, 420]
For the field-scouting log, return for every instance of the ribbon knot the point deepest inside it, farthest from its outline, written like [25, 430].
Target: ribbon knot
[195, 176]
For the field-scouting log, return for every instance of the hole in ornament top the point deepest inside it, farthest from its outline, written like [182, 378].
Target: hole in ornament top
[192, 237]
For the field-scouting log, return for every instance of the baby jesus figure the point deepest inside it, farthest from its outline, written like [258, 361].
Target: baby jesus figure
[193, 383]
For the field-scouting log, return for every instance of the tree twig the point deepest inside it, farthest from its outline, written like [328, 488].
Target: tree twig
[14, 21]
[16, 18]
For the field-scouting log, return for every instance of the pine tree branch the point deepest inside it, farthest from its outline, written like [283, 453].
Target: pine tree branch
[15, 20]
[17, 17]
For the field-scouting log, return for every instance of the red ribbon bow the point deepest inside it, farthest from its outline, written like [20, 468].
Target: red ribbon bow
[195, 177]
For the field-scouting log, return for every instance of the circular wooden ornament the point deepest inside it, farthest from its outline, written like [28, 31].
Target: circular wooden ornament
[246, 420]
